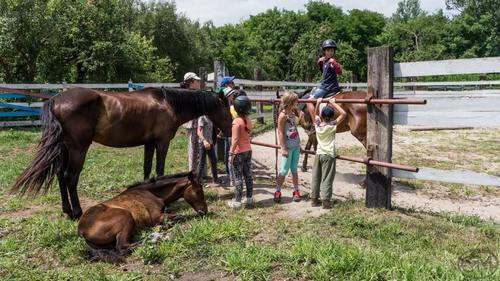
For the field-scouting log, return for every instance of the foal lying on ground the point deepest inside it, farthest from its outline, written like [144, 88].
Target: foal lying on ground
[109, 226]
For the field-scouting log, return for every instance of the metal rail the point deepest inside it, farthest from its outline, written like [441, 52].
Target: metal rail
[367, 101]
[366, 161]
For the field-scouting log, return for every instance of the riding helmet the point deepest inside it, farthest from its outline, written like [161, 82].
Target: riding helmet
[242, 105]
[329, 43]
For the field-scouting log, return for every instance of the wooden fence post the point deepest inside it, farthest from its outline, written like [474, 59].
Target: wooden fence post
[203, 76]
[130, 89]
[257, 75]
[219, 72]
[379, 127]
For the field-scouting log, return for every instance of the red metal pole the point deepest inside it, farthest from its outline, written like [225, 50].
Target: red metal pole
[367, 101]
[352, 159]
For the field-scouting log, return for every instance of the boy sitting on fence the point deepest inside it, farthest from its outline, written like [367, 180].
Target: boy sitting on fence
[324, 162]
[329, 68]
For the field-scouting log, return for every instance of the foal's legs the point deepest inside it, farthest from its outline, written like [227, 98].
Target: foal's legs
[149, 150]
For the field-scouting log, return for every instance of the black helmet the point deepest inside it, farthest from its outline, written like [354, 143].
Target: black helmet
[329, 43]
[242, 105]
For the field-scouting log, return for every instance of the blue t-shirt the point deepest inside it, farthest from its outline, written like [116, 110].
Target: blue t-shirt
[330, 68]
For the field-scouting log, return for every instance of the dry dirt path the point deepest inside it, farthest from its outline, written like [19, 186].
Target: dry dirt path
[346, 187]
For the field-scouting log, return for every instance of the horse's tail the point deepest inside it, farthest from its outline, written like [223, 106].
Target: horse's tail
[105, 255]
[49, 157]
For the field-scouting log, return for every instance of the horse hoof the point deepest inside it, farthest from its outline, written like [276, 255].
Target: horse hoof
[76, 215]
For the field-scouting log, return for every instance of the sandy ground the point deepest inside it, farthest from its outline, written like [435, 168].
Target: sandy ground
[346, 186]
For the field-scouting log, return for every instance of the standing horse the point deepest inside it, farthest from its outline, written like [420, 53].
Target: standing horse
[355, 121]
[75, 118]
[108, 227]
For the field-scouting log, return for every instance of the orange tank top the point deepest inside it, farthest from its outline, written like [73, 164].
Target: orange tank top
[243, 144]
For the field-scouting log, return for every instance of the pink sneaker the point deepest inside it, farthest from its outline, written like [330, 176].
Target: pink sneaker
[296, 196]
[277, 196]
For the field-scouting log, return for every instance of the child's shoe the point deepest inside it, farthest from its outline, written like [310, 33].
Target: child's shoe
[234, 204]
[296, 196]
[248, 202]
[277, 197]
[315, 202]
[327, 204]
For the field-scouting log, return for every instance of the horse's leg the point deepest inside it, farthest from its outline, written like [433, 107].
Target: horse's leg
[161, 155]
[63, 188]
[304, 162]
[76, 157]
[149, 151]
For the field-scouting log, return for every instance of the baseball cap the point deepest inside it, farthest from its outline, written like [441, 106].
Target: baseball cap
[225, 80]
[191, 75]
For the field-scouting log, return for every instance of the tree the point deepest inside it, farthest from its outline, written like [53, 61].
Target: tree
[476, 30]
[23, 31]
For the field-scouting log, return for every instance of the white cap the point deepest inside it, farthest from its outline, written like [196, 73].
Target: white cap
[191, 75]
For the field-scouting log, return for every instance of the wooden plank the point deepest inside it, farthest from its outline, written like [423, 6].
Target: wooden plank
[470, 119]
[257, 75]
[452, 176]
[12, 96]
[447, 83]
[450, 104]
[20, 123]
[447, 67]
[18, 107]
[18, 113]
[379, 123]
[466, 93]
[28, 104]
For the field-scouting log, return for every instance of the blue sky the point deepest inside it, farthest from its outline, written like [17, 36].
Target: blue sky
[234, 11]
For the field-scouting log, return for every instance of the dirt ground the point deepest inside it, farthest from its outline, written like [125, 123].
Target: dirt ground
[346, 186]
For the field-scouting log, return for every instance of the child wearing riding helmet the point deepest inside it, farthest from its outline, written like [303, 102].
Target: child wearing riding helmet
[228, 88]
[289, 141]
[324, 161]
[329, 68]
[240, 153]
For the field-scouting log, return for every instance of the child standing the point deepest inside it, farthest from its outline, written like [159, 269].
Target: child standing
[206, 147]
[324, 162]
[240, 153]
[289, 141]
[192, 82]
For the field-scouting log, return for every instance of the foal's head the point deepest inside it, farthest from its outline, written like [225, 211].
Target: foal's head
[171, 188]
[193, 194]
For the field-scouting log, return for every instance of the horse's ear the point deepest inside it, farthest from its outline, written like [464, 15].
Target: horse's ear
[193, 176]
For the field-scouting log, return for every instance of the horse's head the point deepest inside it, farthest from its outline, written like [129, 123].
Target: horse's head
[194, 195]
[308, 122]
[222, 117]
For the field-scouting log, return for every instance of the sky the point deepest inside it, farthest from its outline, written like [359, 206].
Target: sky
[234, 11]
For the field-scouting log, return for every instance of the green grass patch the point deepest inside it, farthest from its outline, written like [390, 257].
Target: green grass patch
[350, 242]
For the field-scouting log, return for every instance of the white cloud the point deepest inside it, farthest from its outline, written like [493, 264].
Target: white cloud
[221, 12]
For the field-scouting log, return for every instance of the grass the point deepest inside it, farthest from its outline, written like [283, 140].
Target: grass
[348, 243]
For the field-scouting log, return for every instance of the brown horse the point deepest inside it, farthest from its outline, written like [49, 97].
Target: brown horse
[355, 121]
[75, 118]
[109, 226]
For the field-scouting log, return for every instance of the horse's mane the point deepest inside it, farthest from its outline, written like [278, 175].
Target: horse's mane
[184, 100]
[174, 177]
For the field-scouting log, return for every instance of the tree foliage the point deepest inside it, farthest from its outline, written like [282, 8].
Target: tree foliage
[114, 40]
